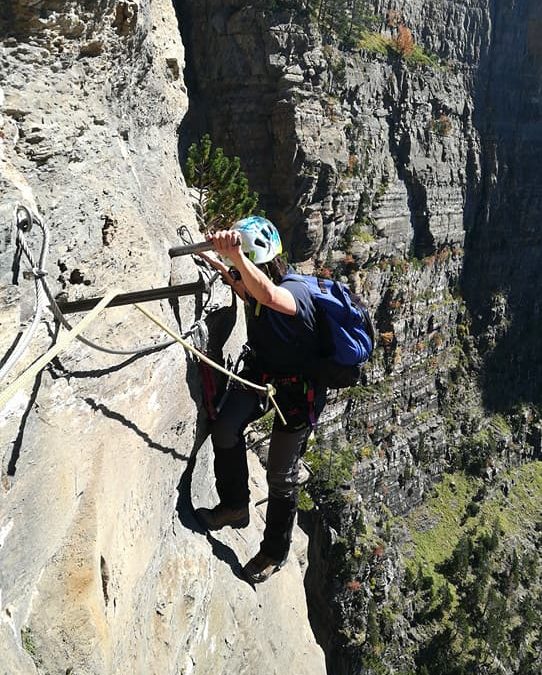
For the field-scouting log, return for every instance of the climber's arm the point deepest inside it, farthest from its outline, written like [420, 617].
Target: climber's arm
[228, 243]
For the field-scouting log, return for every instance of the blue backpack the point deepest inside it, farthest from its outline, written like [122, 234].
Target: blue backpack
[346, 331]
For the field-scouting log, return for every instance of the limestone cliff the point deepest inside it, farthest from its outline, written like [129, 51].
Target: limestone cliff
[102, 568]
[412, 174]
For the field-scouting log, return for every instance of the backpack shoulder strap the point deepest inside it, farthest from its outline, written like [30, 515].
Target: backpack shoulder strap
[294, 277]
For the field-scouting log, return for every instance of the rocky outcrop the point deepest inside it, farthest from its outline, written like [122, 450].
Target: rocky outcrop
[407, 176]
[415, 179]
[102, 567]
[370, 160]
[337, 137]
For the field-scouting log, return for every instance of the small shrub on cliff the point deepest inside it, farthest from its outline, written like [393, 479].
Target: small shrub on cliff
[375, 43]
[27, 640]
[393, 18]
[404, 41]
[341, 21]
[442, 125]
[306, 502]
[222, 191]
[331, 467]
[402, 45]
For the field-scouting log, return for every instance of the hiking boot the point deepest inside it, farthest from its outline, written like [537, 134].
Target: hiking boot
[261, 567]
[222, 516]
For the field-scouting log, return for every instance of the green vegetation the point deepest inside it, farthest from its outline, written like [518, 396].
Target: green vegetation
[27, 641]
[222, 190]
[306, 502]
[364, 237]
[343, 19]
[477, 450]
[331, 467]
[476, 575]
[340, 20]
[358, 231]
[29, 645]
[419, 56]
[470, 599]
[351, 24]
[376, 43]
[265, 424]
[436, 527]
[377, 390]
[403, 47]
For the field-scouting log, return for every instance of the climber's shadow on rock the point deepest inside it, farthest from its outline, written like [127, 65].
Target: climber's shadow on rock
[219, 326]
[210, 339]
[227, 555]
[186, 512]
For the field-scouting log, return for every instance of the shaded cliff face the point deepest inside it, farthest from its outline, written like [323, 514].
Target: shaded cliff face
[504, 237]
[376, 166]
[325, 134]
[102, 568]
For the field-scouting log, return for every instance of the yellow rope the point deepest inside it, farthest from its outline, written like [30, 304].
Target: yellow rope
[65, 338]
[268, 389]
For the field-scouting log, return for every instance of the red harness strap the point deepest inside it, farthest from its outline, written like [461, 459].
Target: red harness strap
[308, 390]
[209, 389]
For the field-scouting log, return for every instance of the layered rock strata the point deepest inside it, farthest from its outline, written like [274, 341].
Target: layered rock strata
[415, 179]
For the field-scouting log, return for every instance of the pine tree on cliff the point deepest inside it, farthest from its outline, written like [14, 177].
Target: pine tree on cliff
[344, 19]
[221, 187]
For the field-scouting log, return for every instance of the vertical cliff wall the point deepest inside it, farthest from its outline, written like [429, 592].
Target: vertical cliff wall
[414, 178]
[102, 568]
[504, 225]
[366, 162]
[378, 166]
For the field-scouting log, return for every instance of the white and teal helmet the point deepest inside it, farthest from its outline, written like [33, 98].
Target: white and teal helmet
[260, 239]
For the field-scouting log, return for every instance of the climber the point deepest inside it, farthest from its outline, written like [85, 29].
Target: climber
[282, 340]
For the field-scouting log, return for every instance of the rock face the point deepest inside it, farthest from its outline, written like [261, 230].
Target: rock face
[504, 236]
[379, 166]
[415, 179]
[102, 568]
[329, 139]
[367, 163]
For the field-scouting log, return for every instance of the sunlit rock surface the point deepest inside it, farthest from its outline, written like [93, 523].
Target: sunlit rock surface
[102, 568]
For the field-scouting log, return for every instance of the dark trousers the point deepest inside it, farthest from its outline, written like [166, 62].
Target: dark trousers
[286, 447]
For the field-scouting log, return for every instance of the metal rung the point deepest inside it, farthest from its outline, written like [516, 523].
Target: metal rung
[190, 248]
[163, 293]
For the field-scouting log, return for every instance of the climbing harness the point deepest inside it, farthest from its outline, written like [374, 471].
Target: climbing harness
[24, 219]
[308, 391]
